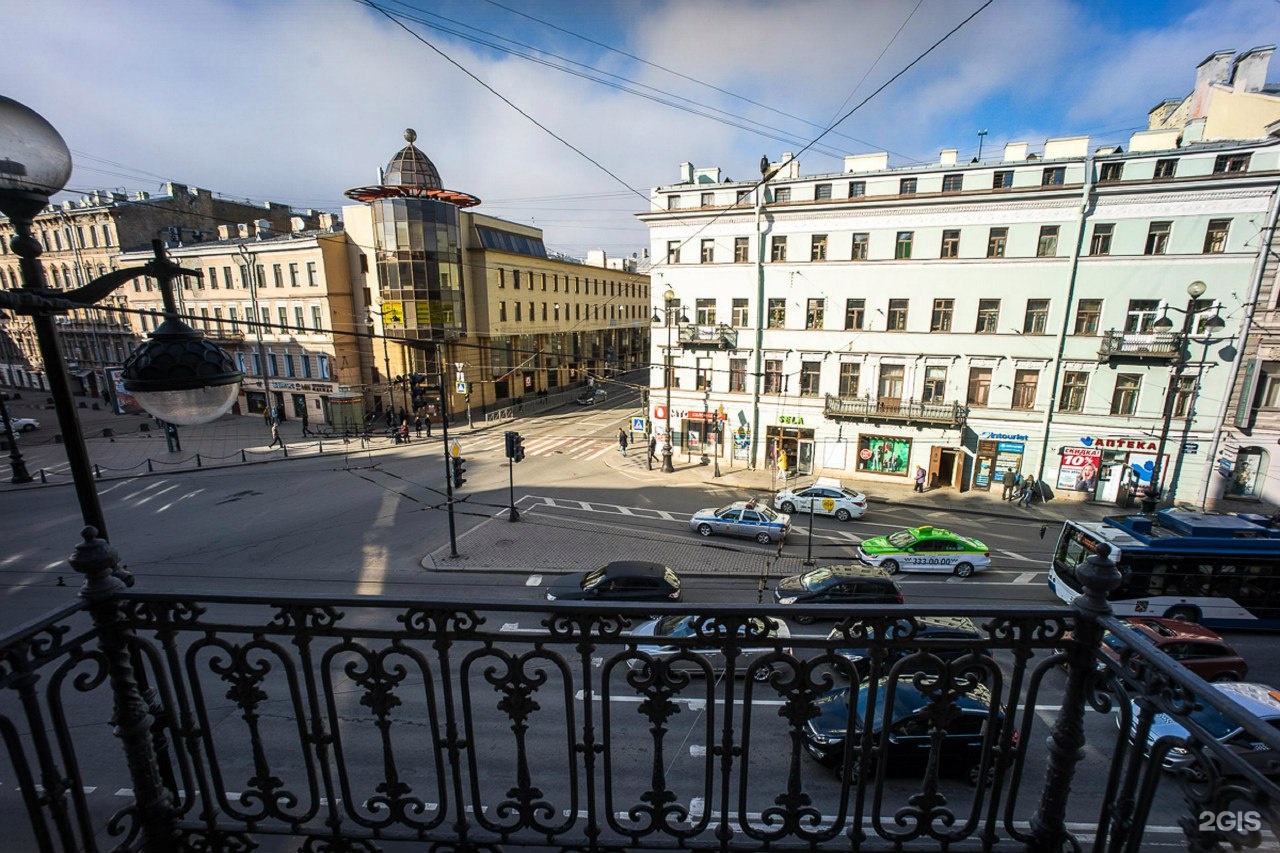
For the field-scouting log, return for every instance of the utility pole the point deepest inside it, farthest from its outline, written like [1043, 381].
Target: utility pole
[251, 270]
[444, 436]
[758, 378]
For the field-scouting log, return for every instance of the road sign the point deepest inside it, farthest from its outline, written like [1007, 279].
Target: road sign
[637, 424]
[1190, 447]
[461, 386]
[455, 448]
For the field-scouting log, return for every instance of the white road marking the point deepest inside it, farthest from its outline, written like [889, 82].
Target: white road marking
[599, 452]
[850, 536]
[510, 626]
[1017, 556]
[534, 580]
[597, 662]
[697, 751]
[1025, 577]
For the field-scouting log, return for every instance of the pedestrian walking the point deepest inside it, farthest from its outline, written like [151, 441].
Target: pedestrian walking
[404, 431]
[306, 424]
[920, 475]
[266, 416]
[417, 426]
[622, 442]
[1028, 490]
[275, 437]
[427, 419]
[653, 447]
[1007, 492]
[390, 418]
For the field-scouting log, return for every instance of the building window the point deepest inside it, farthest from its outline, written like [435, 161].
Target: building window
[306, 365]
[1141, 316]
[1157, 238]
[988, 316]
[778, 249]
[322, 366]
[213, 278]
[1024, 388]
[502, 312]
[1053, 176]
[1183, 392]
[935, 385]
[1074, 385]
[855, 313]
[283, 314]
[519, 310]
[1037, 317]
[1249, 473]
[860, 244]
[950, 244]
[818, 248]
[1047, 246]
[777, 313]
[740, 250]
[217, 319]
[1124, 400]
[815, 312]
[673, 202]
[741, 318]
[708, 254]
[1215, 236]
[897, 317]
[1230, 163]
[890, 386]
[773, 376]
[979, 386]
[705, 312]
[821, 192]
[940, 321]
[902, 249]
[257, 365]
[673, 256]
[290, 367]
[737, 375]
[702, 375]
[810, 372]
[707, 199]
[850, 374]
[996, 242]
[544, 311]
[234, 318]
[1002, 180]
[544, 283]
[857, 189]
[907, 186]
[952, 183]
[782, 194]
[1165, 169]
[313, 279]
[1088, 315]
[1100, 243]
[273, 364]
[1111, 172]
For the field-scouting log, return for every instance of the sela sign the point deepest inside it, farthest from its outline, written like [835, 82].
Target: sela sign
[1142, 445]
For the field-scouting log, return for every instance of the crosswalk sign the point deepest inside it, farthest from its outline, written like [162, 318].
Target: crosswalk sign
[637, 425]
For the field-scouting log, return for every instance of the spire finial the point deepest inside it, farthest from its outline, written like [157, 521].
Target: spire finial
[410, 135]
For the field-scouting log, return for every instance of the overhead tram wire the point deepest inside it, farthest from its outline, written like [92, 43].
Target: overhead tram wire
[872, 66]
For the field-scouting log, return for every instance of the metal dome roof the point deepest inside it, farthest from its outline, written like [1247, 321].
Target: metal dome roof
[411, 168]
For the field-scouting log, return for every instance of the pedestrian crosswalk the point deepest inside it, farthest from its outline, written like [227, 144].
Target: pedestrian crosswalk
[566, 447]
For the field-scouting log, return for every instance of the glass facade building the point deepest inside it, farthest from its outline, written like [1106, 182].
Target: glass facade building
[419, 267]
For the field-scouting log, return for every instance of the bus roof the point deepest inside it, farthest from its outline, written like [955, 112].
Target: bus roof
[1188, 530]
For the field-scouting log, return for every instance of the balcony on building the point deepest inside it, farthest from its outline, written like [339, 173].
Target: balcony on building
[717, 337]
[1137, 346]
[886, 410]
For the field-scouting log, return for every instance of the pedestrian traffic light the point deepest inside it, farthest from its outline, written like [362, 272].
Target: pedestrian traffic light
[515, 446]
[458, 471]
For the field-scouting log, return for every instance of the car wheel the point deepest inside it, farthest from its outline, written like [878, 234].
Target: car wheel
[804, 619]
[963, 570]
[704, 529]
[843, 515]
[974, 774]
[28, 428]
[890, 566]
[1226, 676]
[761, 673]
[764, 538]
[1182, 613]
[788, 507]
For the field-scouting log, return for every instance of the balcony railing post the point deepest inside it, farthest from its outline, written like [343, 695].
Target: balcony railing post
[1098, 576]
[96, 560]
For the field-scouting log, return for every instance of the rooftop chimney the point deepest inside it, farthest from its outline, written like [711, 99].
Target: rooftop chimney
[1249, 71]
[948, 157]
[262, 227]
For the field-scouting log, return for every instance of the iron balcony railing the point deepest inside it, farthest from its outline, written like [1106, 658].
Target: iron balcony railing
[909, 411]
[718, 336]
[325, 723]
[1116, 344]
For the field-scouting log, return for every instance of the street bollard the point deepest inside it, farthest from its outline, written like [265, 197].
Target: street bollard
[198, 462]
[242, 456]
[150, 470]
[43, 478]
[284, 448]
[97, 472]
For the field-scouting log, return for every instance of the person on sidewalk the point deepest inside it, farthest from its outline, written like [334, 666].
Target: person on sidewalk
[306, 424]
[404, 431]
[1028, 491]
[417, 426]
[622, 442]
[653, 448]
[266, 416]
[390, 418]
[275, 437]
[1009, 477]
[920, 475]
[428, 425]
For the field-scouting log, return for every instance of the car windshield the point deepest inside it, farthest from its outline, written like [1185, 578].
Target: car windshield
[817, 579]
[674, 626]
[849, 493]
[901, 539]
[1217, 724]
[593, 578]
[766, 512]
[672, 578]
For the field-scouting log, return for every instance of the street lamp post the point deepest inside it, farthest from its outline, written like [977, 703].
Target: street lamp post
[16, 463]
[1152, 497]
[669, 310]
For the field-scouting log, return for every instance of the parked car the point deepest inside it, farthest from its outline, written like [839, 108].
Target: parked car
[767, 635]
[925, 549]
[1199, 649]
[621, 580]
[909, 722]
[23, 424]
[591, 396]
[826, 496]
[742, 518]
[837, 585]
[929, 628]
[1258, 699]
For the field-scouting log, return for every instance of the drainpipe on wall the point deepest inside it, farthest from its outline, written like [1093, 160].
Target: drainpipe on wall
[1086, 202]
[1260, 267]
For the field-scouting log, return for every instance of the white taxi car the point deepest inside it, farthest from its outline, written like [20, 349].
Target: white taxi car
[827, 497]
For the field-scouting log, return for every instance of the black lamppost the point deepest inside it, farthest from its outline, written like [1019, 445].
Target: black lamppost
[670, 310]
[1152, 496]
[16, 463]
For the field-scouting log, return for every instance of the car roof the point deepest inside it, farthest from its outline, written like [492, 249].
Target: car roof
[1168, 630]
[1258, 699]
[634, 568]
[851, 570]
[827, 483]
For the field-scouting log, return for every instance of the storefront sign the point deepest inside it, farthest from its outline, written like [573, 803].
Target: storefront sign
[882, 454]
[707, 416]
[1143, 445]
[1079, 469]
[1005, 435]
[319, 388]
[791, 419]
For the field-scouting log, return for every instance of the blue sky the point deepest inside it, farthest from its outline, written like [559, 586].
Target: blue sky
[298, 100]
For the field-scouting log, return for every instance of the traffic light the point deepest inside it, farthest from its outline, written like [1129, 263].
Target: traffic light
[417, 393]
[458, 471]
[515, 446]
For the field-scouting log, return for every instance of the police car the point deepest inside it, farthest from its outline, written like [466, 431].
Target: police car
[826, 496]
[742, 518]
[925, 549]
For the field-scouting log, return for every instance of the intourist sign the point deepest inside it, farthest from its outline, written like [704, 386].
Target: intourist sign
[1140, 444]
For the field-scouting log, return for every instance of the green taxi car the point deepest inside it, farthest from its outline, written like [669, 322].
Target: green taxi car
[925, 549]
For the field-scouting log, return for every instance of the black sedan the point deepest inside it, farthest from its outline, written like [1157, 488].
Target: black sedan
[837, 585]
[621, 580]
[909, 722]
[942, 637]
